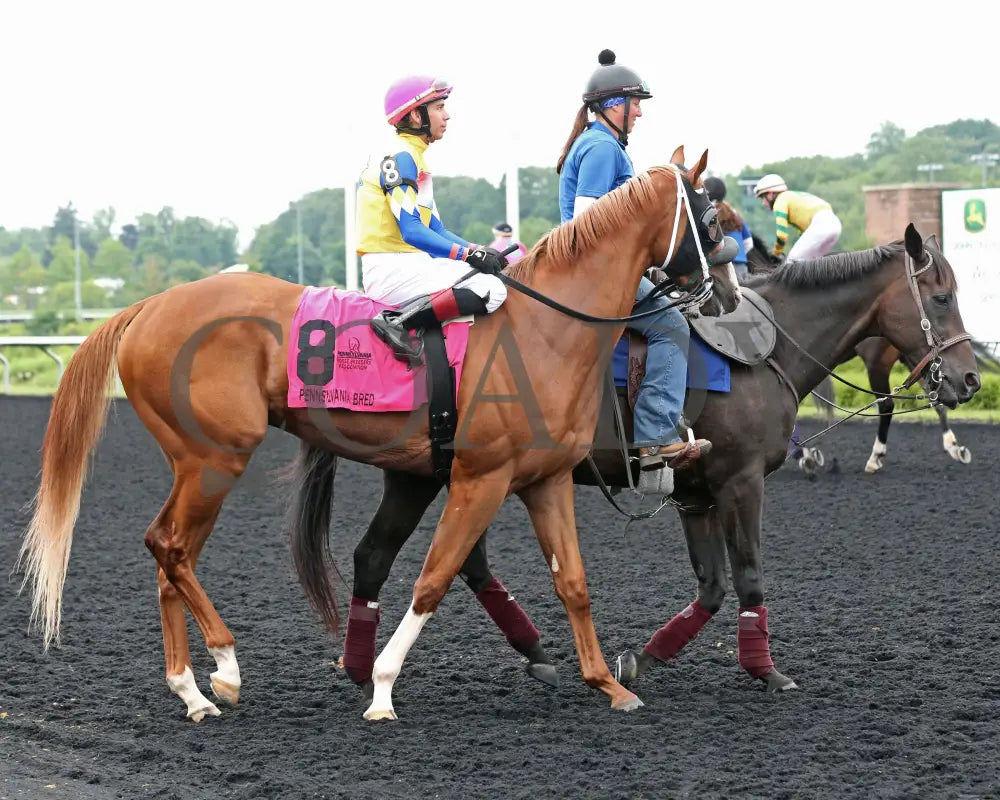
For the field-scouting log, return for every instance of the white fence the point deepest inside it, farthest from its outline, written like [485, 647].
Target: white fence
[45, 343]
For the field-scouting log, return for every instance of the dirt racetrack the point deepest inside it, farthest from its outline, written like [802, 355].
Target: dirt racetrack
[882, 599]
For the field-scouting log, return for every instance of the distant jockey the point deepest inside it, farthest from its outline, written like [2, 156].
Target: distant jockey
[503, 238]
[812, 215]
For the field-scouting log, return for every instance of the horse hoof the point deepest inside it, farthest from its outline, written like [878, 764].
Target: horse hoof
[546, 673]
[225, 691]
[198, 714]
[375, 714]
[776, 683]
[626, 668]
[631, 704]
[367, 689]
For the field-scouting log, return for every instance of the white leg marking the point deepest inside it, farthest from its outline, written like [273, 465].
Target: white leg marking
[186, 689]
[877, 459]
[389, 663]
[555, 564]
[226, 679]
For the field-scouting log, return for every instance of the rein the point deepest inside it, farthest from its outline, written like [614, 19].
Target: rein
[932, 359]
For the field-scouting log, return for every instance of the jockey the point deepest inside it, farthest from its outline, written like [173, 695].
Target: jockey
[503, 237]
[407, 255]
[593, 163]
[813, 216]
[732, 223]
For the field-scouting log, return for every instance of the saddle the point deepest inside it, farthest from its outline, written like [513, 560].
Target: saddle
[746, 336]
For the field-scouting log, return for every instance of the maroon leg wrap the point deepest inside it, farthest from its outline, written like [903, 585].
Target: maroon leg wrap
[359, 641]
[508, 616]
[753, 651]
[668, 640]
[445, 305]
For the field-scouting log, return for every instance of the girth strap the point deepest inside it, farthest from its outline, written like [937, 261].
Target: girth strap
[441, 411]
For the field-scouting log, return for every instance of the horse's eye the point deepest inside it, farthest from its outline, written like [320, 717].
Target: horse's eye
[942, 300]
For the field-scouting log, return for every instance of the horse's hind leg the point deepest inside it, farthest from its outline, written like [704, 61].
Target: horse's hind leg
[176, 538]
[707, 550]
[738, 508]
[510, 618]
[959, 452]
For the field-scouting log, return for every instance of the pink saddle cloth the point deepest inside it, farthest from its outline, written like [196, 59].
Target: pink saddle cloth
[336, 361]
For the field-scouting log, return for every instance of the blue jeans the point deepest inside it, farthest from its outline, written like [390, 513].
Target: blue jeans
[660, 403]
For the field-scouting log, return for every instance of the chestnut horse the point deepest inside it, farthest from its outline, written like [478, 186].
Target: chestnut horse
[879, 357]
[204, 365]
[828, 306]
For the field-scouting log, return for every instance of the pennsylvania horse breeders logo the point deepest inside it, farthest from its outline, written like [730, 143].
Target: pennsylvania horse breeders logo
[975, 215]
[353, 358]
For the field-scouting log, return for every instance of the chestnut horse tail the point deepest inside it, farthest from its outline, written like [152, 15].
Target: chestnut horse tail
[76, 423]
[308, 526]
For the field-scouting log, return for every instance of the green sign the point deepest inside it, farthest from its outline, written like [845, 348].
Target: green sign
[975, 215]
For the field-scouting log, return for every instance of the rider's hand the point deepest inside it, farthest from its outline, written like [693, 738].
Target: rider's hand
[486, 259]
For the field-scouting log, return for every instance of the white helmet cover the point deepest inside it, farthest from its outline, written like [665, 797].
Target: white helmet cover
[770, 183]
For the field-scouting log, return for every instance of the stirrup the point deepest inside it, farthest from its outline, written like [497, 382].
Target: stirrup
[405, 346]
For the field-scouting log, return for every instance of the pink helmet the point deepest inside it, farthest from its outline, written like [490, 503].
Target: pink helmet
[412, 92]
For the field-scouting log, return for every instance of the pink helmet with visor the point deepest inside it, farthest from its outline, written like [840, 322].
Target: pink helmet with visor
[412, 92]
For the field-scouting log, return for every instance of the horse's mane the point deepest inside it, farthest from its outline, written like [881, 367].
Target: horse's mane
[562, 246]
[817, 273]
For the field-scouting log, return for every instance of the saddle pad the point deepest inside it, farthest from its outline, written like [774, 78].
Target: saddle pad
[336, 361]
[747, 335]
[706, 368]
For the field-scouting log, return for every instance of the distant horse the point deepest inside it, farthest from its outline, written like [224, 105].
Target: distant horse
[828, 306]
[879, 357]
[205, 367]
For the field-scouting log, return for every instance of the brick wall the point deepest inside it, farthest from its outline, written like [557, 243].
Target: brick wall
[889, 209]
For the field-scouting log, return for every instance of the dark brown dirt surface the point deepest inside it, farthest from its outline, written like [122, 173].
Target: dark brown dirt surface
[882, 599]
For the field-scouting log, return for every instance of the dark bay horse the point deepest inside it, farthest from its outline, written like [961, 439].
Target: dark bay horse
[827, 306]
[205, 367]
[879, 357]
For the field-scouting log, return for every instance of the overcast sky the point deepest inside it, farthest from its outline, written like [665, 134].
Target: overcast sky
[234, 109]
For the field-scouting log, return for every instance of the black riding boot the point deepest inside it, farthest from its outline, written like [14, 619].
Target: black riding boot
[393, 327]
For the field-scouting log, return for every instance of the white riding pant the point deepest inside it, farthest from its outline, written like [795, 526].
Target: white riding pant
[819, 238]
[398, 277]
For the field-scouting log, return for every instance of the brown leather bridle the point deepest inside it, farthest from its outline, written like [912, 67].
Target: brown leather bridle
[935, 345]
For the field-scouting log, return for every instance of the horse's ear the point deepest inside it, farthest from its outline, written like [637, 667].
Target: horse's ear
[695, 174]
[914, 243]
[933, 241]
[678, 157]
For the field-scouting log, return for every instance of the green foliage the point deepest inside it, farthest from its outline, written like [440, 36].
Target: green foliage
[533, 229]
[44, 323]
[478, 233]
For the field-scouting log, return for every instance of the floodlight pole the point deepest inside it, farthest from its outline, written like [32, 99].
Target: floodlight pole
[77, 288]
[298, 239]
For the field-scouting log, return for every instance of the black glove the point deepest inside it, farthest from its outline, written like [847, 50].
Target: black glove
[486, 259]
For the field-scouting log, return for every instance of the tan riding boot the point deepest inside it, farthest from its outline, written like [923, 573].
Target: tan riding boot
[678, 455]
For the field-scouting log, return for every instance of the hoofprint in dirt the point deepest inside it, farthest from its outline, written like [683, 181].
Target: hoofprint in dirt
[881, 592]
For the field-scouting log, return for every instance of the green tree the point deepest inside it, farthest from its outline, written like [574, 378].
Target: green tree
[62, 267]
[533, 229]
[112, 260]
[478, 232]
[885, 140]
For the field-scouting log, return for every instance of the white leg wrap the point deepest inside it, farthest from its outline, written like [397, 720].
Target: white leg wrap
[186, 689]
[389, 663]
